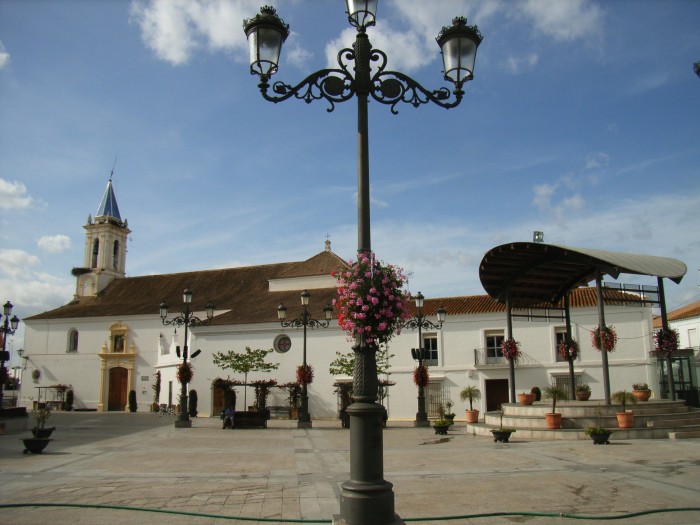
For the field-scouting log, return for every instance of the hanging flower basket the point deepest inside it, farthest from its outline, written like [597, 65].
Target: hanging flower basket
[569, 350]
[371, 301]
[510, 349]
[608, 337]
[665, 342]
[305, 374]
[184, 373]
[420, 376]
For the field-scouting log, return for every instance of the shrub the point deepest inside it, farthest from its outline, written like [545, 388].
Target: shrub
[192, 402]
[132, 401]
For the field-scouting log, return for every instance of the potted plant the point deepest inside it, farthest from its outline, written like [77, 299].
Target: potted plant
[526, 398]
[583, 392]
[449, 415]
[538, 393]
[599, 435]
[441, 426]
[625, 418]
[40, 417]
[641, 391]
[555, 393]
[471, 393]
[502, 433]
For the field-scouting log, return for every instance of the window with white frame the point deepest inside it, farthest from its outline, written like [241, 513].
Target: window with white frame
[492, 343]
[430, 343]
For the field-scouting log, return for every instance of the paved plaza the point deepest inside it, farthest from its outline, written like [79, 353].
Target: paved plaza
[110, 463]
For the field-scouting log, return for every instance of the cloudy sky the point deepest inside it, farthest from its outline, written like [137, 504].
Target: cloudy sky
[582, 121]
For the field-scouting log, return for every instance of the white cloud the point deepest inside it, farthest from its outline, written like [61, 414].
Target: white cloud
[597, 160]
[13, 195]
[4, 56]
[54, 243]
[16, 262]
[174, 29]
[563, 21]
[517, 64]
[543, 195]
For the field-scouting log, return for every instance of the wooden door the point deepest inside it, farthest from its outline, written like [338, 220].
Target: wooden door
[496, 393]
[117, 388]
[218, 401]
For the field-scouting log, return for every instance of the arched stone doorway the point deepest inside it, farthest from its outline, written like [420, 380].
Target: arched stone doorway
[118, 385]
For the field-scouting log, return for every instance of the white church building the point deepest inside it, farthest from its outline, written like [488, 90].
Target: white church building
[110, 339]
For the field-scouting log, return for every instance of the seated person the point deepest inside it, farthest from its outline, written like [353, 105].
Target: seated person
[228, 416]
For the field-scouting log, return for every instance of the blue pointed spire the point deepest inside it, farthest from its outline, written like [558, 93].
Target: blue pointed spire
[108, 206]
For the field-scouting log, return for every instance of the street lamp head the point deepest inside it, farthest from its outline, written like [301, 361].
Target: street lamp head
[361, 13]
[14, 322]
[459, 43]
[281, 312]
[305, 298]
[441, 314]
[187, 296]
[164, 310]
[265, 32]
[419, 300]
[328, 312]
[7, 308]
[210, 310]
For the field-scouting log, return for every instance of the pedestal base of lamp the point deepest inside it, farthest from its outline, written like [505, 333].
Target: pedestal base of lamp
[183, 424]
[304, 424]
[367, 504]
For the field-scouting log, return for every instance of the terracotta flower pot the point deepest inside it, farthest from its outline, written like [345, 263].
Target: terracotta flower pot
[472, 416]
[553, 420]
[625, 419]
[526, 399]
[641, 395]
[583, 395]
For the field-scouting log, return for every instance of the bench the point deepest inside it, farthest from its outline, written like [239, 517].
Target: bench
[249, 419]
[280, 412]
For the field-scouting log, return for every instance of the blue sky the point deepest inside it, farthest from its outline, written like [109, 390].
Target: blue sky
[582, 121]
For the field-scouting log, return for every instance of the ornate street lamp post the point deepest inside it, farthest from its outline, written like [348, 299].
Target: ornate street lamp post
[188, 319]
[8, 327]
[420, 354]
[304, 320]
[366, 499]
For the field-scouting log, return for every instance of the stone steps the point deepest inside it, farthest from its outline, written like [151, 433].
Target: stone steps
[658, 419]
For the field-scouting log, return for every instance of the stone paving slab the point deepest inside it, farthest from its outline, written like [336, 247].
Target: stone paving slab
[142, 461]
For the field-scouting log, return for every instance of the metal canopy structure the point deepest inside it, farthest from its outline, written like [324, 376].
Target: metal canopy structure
[537, 274]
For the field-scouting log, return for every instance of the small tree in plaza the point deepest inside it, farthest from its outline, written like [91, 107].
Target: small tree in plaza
[244, 363]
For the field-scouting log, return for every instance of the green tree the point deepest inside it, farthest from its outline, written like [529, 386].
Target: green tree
[243, 363]
[344, 364]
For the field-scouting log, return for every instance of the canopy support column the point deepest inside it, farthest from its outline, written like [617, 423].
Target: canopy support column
[601, 326]
[664, 327]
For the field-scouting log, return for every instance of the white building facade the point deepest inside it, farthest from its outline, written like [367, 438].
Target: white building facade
[108, 343]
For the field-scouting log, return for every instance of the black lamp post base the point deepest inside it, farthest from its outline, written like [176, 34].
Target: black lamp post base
[183, 424]
[304, 424]
[421, 422]
[367, 504]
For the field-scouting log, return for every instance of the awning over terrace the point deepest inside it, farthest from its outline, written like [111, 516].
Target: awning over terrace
[538, 275]
[541, 274]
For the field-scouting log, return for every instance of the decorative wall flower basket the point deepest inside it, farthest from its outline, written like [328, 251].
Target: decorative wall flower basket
[421, 376]
[371, 301]
[510, 349]
[569, 350]
[665, 342]
[184, 373]
[305, 374]
[607, 340]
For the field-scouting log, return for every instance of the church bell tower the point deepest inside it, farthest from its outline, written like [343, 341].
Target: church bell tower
[105, 247]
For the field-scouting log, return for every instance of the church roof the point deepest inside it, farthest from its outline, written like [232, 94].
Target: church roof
[108, 206]
[242, 296]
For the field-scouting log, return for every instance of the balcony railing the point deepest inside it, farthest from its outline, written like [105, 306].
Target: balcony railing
[483, 359]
